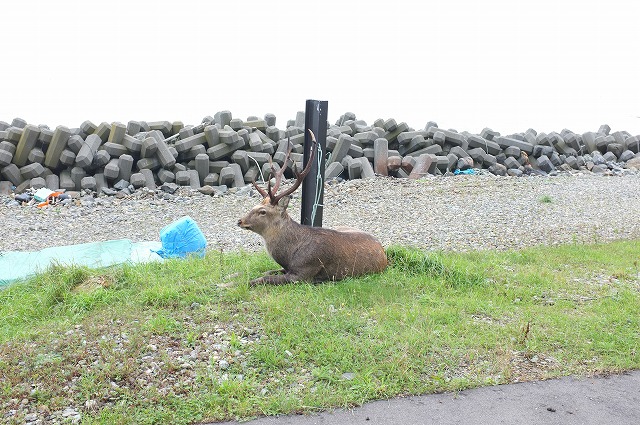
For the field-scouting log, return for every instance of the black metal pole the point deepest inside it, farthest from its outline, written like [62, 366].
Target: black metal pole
[315, 119]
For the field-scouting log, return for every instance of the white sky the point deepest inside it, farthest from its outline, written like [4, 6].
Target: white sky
[504, 64]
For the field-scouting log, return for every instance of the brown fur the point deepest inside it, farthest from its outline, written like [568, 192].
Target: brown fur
[308, 253]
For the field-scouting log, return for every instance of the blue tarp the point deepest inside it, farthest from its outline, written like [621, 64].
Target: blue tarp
[15, 265]
[178, 239]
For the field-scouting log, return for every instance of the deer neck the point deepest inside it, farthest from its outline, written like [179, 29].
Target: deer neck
[282, 239]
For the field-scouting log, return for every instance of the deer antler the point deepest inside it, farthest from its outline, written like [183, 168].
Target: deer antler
[271, 193]
[299, 176]
[278, 175]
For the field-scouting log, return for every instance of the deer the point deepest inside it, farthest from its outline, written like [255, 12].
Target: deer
[307, 253]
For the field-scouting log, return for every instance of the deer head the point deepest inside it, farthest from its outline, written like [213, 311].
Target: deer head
[273, 208]
[271, 193]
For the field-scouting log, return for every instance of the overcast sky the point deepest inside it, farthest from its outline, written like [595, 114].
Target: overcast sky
[505, 64]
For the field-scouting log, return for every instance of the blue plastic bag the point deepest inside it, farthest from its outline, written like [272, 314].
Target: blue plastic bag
[182, 238]
[467, 171]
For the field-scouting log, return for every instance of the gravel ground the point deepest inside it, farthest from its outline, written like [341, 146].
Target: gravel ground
[437, 213]
[448, 213]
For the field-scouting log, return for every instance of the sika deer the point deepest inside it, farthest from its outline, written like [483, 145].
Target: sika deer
[306, 253]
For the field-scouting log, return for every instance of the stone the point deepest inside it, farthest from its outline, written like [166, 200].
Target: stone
[202, 166]
[149, 147]
[514, 172]
[416, 143]
[425, 164]
[166, 176]
[5, 158]
[498, 169]
[125, 164]
[88, 127]
[488, 159]
[100, 159]
[74, 144]
[227, 176]
[27, 142]
[212, 179]
[112, 169]
[188, 143]
[489, 134]
[101, 182]
[223, 149]
[432, 149]
[38, 182]
[117, 132]
[58, 143]
[239, 157]
[88, 183]
[149, 179]
[626, 156]
[52, 182]
[604, 129]
[487, 145]
[89, 148]
[464, 163]
[439, 137]
[505, 142]
[392, 136]
[19, 123]
[77, 174]
[381, 155]
[132, 144]
[113, 149]
[137, 180]
[169, 188]
[66, 182]
[513, 151]
[121, 185]
[167, 160]
[633, 163]
[36, 155]
[394, 162]
[545, 164]
[571, 162]
[333, 170]
[31, 171]
[164, 127]
[238, 175]
[366, 171]
[511, 163]
[616, 149]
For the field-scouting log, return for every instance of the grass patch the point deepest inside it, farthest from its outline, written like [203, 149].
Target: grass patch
[546, 199]
[188, 340]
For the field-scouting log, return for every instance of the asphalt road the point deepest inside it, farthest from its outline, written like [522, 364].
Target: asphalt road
[567, 401]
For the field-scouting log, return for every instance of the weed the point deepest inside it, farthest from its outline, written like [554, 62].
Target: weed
[188, 341]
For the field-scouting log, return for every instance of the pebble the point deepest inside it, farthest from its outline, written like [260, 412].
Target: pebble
[457, 213]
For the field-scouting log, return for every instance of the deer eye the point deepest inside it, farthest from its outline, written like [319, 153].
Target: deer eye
[262, 212]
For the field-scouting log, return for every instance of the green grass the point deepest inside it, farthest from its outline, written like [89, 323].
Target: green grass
[188, 340]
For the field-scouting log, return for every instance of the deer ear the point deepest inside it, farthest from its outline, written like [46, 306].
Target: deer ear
[283, 203]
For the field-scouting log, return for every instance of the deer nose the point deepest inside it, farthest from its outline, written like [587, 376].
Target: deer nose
[240, 222]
